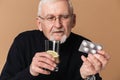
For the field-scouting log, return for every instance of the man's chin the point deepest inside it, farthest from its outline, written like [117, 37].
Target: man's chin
[62, 38]
[57, 38]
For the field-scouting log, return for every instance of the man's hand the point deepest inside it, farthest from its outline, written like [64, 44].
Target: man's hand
[94, 63]
[42, 62]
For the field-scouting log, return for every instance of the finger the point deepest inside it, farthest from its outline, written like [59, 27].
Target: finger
[47, 61]
[35, 69]
[83, 58]
[106, 55]
[87, 63]
[42, 71]
[44, 63]
[87, 67]
[102, 59]
[95, 62]
[44, 54]
[45, 66]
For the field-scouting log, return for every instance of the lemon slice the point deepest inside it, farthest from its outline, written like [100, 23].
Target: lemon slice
[54, 54]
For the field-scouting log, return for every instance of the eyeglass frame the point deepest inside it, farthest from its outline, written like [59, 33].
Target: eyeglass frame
[53, 18]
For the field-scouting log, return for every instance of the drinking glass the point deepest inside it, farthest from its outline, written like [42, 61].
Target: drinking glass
[52, 47]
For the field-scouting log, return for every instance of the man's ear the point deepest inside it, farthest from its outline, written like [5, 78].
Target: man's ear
[73, 20]
[38, 23]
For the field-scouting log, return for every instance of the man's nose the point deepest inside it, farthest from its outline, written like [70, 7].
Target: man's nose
[58, 23]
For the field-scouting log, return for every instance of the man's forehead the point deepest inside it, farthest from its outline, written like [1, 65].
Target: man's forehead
[55, 7]
[52, 0]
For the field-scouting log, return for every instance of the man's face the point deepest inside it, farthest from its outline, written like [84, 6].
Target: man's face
[56, 20]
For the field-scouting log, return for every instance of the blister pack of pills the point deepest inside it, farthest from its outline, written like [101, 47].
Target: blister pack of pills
[89, 47]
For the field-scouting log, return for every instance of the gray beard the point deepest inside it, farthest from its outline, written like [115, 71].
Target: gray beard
[63, 39]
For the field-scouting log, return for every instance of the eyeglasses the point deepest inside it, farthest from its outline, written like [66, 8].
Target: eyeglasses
[52, 18]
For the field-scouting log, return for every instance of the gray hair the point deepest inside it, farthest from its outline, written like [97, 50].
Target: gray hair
[45, 1]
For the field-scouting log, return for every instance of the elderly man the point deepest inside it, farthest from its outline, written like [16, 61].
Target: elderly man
[27, 59]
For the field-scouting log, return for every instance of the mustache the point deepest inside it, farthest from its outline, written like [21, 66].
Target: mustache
[62, 30]
[57, 30]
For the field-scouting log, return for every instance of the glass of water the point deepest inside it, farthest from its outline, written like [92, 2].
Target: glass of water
[52, 47]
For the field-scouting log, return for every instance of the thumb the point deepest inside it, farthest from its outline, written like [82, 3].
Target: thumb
[83, 58]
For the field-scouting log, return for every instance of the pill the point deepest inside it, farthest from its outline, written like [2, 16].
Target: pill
[92, 45]
[84, 43]
[86, 49]
[93, 51]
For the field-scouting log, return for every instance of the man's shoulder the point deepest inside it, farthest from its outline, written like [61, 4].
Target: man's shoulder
[78, 37]
[30, 34]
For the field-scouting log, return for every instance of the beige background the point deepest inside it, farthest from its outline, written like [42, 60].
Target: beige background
[98, 20]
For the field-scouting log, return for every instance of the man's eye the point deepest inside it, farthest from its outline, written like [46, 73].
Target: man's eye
[65, 16]
[50, 18]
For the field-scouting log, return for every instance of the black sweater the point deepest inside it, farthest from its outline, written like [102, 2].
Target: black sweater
[28, 43]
